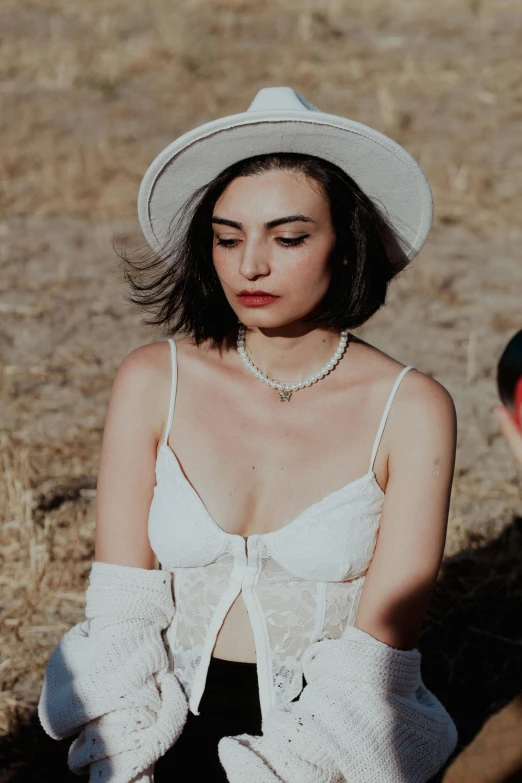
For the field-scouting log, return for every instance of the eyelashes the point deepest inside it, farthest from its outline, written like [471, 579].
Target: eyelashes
[284, 241]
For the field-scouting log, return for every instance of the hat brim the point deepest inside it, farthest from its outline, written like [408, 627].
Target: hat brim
[383, 169]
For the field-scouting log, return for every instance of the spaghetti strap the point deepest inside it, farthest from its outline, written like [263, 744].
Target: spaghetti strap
[386, 411]
[173, 385]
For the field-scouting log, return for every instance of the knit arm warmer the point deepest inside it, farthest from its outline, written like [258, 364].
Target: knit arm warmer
[109, 678]
[364, 715]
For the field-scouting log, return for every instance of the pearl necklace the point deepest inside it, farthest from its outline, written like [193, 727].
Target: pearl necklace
[285, 389]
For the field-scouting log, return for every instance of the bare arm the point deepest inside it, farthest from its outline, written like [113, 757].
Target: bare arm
[119, 651]
[412, 534]
[134, 424]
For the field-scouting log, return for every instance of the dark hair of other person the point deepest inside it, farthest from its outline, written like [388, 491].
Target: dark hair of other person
[179, 285]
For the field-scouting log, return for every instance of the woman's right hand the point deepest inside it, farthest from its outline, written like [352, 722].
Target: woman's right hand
[511, 431]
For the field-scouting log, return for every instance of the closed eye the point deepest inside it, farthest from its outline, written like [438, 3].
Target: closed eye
[284, 241]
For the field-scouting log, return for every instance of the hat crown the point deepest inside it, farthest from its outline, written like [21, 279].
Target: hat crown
[280, 99]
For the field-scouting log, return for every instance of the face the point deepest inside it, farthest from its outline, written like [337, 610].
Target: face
[273, 237]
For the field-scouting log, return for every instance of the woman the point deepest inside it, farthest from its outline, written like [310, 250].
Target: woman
[267, 515]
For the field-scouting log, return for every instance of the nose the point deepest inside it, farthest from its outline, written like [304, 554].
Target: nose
[254, 262]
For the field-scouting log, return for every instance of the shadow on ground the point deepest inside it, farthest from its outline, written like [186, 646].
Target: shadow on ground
[471, 647]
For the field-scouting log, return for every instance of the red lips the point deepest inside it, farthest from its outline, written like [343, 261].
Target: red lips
[257, 292]
[256, 298]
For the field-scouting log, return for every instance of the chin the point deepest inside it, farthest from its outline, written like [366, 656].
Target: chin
[259, 320]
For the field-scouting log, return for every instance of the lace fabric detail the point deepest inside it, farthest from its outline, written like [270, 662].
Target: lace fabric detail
[295, 613]
[342, 599]
[289, 606]
[336, 542]
[197, 594]
[334, 545]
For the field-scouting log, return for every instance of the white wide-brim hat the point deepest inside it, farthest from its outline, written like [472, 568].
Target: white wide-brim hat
[279, 119]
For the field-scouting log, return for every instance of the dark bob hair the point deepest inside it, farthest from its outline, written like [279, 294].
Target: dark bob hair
[180, 286]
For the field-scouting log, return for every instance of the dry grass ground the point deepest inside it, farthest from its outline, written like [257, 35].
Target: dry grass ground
[89, 94]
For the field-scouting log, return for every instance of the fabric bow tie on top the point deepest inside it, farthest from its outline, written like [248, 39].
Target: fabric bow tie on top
[364, 715]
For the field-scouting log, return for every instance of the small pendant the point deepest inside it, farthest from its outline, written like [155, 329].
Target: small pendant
[284, 395]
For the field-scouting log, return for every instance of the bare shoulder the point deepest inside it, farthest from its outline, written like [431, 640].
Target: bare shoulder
[143, 381]
[424, 422]
[145, 368]
[149, 359]
[421, 429]
[421, 397]
[418, 393]
[133, 423]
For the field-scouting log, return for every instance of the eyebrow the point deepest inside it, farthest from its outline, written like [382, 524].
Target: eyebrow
[268, 224]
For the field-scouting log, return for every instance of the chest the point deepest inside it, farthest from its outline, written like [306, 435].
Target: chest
[256, 463]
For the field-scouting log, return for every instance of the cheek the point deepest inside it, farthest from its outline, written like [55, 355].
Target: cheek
[313, 275]
[221, 262]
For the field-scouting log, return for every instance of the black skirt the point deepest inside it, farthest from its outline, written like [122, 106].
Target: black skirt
[229, 706]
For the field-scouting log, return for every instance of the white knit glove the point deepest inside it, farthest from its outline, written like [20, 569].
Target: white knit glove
[363, 716]
[109, 677]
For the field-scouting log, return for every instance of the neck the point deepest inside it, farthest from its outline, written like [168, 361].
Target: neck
[290, 353]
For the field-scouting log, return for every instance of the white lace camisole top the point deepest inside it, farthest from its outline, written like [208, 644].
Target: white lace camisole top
[300, 584]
